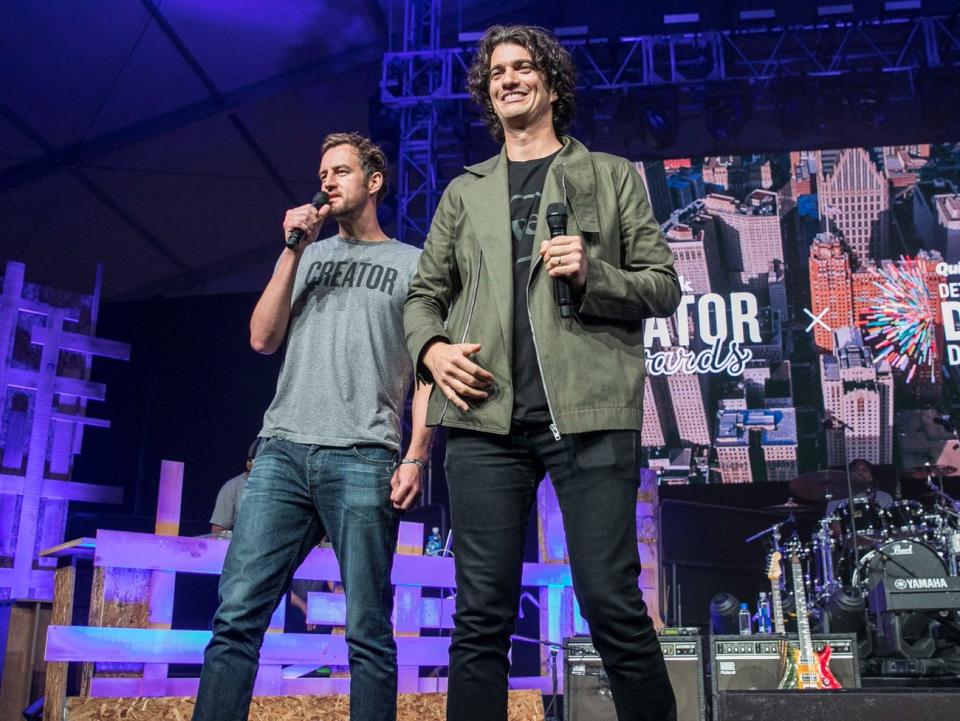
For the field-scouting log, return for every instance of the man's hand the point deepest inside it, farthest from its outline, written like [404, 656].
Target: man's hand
[406, 486]
[458, 377]
[306, 218]
[564, 258]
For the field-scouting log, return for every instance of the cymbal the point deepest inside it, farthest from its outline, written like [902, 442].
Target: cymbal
[921, 472]
[816, 485]
[792, 506]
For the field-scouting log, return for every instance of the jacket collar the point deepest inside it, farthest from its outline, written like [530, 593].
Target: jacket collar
[573, 170]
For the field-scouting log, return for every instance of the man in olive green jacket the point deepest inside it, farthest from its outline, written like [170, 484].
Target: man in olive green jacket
[525, 391]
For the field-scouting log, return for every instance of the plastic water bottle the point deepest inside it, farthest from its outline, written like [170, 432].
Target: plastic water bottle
[745, 620]
[763, 614]
[434, 545]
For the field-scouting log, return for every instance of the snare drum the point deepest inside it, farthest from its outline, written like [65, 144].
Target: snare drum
[906, 519]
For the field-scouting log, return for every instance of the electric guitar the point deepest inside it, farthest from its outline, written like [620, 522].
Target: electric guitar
[812, 667]
[773, 573]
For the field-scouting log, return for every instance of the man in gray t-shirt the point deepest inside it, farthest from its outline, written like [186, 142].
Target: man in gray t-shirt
[228, 499]
[228, 504]
[328, 460]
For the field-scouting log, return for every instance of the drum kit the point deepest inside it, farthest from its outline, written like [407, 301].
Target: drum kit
[859, 541]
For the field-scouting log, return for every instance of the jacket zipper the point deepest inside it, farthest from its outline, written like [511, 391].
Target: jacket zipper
[463, 338]
[533, 333]
[536, 351]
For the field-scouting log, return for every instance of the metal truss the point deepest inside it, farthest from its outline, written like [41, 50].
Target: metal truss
[418, 78]
[417, 184]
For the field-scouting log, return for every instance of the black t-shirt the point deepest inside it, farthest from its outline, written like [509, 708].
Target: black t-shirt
[526, 186]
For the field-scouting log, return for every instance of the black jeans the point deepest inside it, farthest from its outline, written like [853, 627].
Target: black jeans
[493, 482]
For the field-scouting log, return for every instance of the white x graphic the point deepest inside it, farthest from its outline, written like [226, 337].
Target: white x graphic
[817, 319]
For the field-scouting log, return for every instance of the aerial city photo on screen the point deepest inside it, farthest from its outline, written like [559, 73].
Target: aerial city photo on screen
[820, 288]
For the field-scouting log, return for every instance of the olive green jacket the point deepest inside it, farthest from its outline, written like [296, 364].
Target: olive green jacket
[593, 364]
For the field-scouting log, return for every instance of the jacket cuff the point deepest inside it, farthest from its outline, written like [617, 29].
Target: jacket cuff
[422, 342]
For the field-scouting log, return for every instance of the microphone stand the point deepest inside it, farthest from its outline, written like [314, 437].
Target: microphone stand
[832, 420]
[554, 648]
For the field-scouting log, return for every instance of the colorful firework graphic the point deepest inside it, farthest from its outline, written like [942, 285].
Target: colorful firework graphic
[901, 321]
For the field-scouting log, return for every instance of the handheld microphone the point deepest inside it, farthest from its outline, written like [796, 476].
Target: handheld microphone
[557, 223]
[296, 235]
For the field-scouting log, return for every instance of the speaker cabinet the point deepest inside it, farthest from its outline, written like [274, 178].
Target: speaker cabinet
[750, 663]
[899, 704]
[587, 691]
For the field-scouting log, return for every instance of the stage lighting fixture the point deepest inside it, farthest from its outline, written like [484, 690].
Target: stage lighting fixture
[726, 115]
[867, 105]
[794, 111]
[844, 610]
[658, 124]
[724, 614]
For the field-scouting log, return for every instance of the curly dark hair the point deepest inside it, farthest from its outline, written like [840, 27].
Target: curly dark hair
[549, 57]
[372, 158]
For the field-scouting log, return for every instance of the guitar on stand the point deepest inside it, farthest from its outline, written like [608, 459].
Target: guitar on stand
[788, 664]
[805, 667]
[773, 573]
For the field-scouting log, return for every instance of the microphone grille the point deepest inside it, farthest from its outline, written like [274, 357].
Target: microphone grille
[320, 200]
[557, 209]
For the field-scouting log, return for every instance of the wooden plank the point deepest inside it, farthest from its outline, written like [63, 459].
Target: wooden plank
[141, 645]
[122, 549]
[29, 380]
[163, 583]
[10, 303]
[36, 459]
[42, 582]
[82, 420]
[94, 616]
[67, 490]
[410, 539]
[330, 609]
[123, 689]
[556, 621]
[23, 669]
[80, 547]
[55, 686]
[119, 599]
[80, 343]
[648, 533]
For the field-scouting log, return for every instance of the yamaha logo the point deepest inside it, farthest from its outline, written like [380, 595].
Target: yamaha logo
[920, 584]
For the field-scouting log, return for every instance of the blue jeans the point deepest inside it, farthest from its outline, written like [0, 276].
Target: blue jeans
[294, 493]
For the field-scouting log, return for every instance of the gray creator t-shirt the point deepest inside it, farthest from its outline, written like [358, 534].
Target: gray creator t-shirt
[346, 370]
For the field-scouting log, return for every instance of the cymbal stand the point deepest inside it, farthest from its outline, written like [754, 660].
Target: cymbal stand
[951, 543]
[824, 553]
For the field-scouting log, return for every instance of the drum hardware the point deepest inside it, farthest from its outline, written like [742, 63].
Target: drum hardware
[873, 586]
[864, 514]
[927, 471]
[772, 531]
[791, 507]
[822, 551]
[947, 533]
[825, 486]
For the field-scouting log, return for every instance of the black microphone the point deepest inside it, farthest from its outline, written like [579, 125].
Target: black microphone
[296, 235]
[557, 223]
